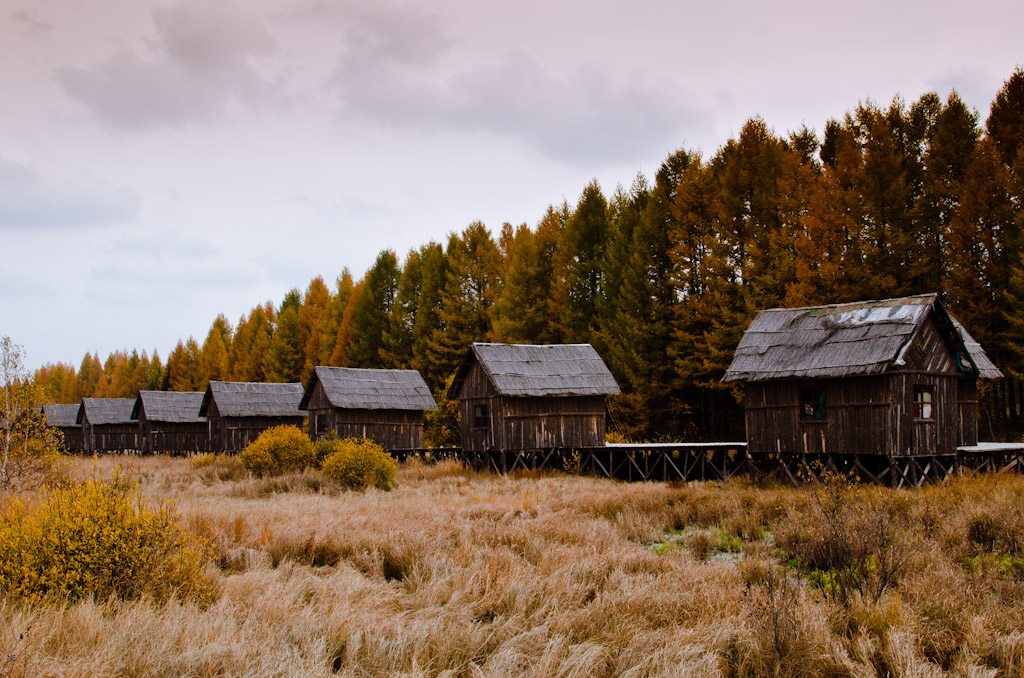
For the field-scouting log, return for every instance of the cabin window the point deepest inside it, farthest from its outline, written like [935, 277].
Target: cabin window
[812, 403]
[215, 428]
[481, 416]
[319, 424]
[924, 403]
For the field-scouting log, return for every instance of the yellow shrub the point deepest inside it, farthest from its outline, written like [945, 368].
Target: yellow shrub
[360, 463]
[278, 450]
[101, 539]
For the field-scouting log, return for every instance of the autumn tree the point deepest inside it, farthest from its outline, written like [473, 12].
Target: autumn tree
[30, 451]
[311, 317]
[371, 316]
[469, 288]
[283, 361]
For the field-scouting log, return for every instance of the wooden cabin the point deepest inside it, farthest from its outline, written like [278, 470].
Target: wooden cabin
[107, 424]
[169, 421]
[894, 378]
[385, 406]
[238, 412]
[525, 397]
[64, 417]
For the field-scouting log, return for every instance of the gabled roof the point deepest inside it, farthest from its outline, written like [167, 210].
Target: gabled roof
[539, 370]
[61, 415]
[844, 340]
[172, 407]
[252, 399]
[106, 411]
[361, 389]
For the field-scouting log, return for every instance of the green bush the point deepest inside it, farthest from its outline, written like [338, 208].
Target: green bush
[100, 538]
[360, 463]
[279, 450]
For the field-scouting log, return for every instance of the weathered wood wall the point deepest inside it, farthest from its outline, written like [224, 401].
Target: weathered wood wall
[111, 437]
[528, 423]
[74, 439]
[856, 419]
[160, 436]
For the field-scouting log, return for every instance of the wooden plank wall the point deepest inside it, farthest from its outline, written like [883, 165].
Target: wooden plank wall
[477, 390]
[112, 437]
[74, 438]
[174, 437]
[550, 423]
[856, 420]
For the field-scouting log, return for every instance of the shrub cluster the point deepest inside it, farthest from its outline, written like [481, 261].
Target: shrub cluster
[279, 450]
[357, 463]
[100, 538]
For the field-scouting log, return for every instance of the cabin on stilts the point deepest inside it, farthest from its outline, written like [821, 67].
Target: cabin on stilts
[64, 417]
[385, 406]
[238, 412]
[863, 383]
[107, 424]
[169, 421]
[516, 397]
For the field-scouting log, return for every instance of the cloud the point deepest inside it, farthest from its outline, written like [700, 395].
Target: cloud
[585, 116]
[29, 22]
[205, 59]
[402, 71]
[29, 200]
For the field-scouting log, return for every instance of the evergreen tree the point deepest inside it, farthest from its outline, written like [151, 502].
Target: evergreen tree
[433, 264]
[520, 310]
[311, 317]
[468, 293]
[582, 249]
[397, 346]
[184, 367]
[372, 313]
[333, 316]
[283, 361]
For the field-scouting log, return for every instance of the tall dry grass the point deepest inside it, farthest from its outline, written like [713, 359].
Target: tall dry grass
[454, 573]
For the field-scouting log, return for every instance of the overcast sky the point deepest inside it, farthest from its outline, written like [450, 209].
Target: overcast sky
[165, 161]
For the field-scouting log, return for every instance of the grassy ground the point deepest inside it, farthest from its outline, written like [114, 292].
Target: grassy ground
[454, 573]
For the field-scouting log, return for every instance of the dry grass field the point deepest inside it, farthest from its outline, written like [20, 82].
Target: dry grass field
[454, 573]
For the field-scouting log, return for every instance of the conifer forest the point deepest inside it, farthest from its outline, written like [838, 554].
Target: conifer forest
[664, 274]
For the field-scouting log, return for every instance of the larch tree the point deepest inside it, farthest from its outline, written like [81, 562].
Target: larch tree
[520, 310]
[372, 314]
[467, 296]
[283, 361]
[333, 316]
[311, 317]
[582, 254]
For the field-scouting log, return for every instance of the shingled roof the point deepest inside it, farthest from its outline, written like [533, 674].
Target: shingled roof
[171, 407]
[61, 415]
[252, 399]
[364, 389]
[844, 340]
[539, 370]
[106, 411]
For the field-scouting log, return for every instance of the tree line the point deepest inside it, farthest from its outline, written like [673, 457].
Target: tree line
[664, 276]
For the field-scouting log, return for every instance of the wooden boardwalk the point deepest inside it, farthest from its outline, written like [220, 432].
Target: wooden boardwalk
[682, 462]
